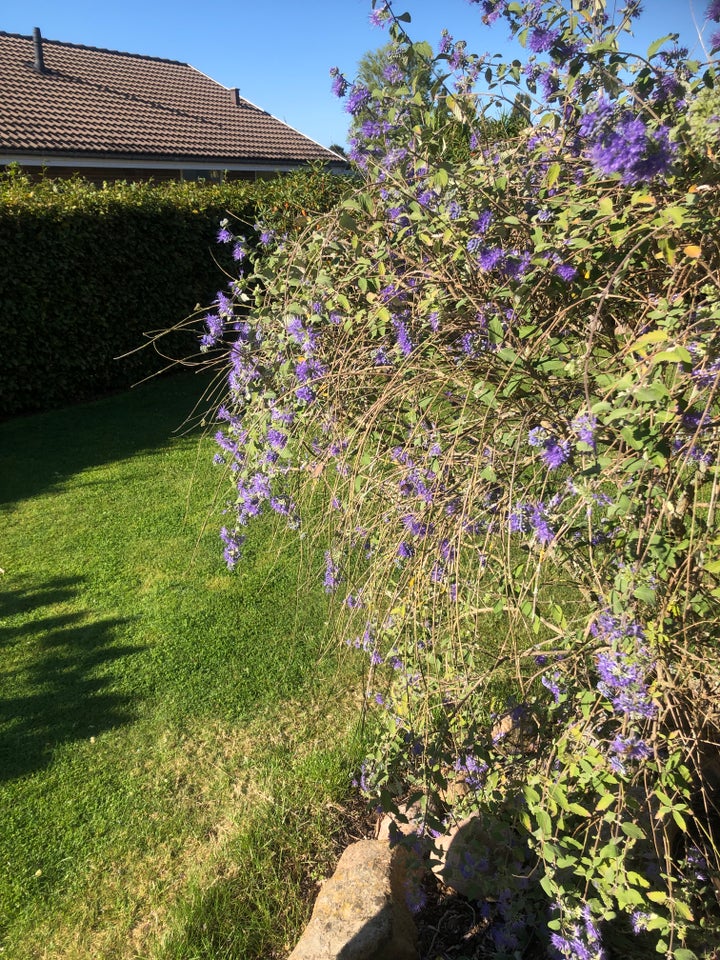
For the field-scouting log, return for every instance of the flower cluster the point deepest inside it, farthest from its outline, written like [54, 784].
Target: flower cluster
[580, 939]
[624, 665]
[620, 141]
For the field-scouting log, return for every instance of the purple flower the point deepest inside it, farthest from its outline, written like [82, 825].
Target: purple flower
[490, 257]
[516, 264]
[308, 370]
[483, 222]
[379, 17]
[538, 521]
[233, 546]
[552, 684]
[555, 453]
[713, 11]
[630, 747]
[492, 9]
[639, 919]
[332, 573]
[580, 940]
[305, 394]
[393, 74]
[414, 526]
[565, 272]
[215, 327]
[276, 439]
[224, 305]
[537, 436]
[415, 897]
[617, 669]
[224, 235]
[518, 518]
[697, 863]
[624, 666]
[403, 337]
[358, 98]
[542, 39]
[584, 426]
[621, 143]
[339, 84]
[305, 338]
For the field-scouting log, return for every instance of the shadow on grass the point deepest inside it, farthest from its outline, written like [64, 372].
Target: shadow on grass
[55, 675]
[39, 452]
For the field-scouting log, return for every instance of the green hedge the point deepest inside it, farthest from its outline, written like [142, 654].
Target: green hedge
[87, 272]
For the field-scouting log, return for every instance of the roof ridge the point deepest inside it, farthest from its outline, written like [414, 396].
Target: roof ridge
[84, 46]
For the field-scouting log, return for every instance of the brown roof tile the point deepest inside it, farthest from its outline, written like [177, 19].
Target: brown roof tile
[102, 102]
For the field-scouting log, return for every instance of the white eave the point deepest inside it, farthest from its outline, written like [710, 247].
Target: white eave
[126, 163]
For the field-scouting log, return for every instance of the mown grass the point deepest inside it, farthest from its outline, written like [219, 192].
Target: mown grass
[174, 746]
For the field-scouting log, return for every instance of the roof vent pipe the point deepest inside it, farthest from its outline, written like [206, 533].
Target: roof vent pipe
[234, 96]
[39, 64]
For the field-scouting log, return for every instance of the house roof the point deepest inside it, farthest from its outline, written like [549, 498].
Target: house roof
[105, 104]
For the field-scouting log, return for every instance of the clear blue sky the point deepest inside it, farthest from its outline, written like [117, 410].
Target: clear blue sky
[278, 52]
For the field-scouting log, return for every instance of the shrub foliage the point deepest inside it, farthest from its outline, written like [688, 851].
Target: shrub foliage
[502, 375]
[87, 272]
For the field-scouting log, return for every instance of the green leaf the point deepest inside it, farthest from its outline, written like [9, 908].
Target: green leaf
[629, 897]
[348, 223]
[653, 393]
[544, 822]
[654, 336]
[655, 46]
[646, 594]
[680, 820]
[549, 886]
[657, 896]
[552, 175]
[531, 795]
[683, 909]
[632, 830]
[608, 852]
[441, 177]
[676, 215]
[676, 355]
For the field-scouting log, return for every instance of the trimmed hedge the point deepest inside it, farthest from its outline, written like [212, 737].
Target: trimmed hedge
[87, 272]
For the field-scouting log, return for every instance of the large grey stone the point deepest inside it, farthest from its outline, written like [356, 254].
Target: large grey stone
[360, 912]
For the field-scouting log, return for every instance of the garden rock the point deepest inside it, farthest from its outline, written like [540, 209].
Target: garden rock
[406, 822]
[360, 912]
[458, 854]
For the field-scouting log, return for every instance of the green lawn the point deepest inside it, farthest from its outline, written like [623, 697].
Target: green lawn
[158, 715]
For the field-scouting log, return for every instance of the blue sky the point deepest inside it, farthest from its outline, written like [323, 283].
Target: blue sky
[278, 52]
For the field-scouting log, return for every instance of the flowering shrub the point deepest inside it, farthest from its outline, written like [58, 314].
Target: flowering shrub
[501, 375]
